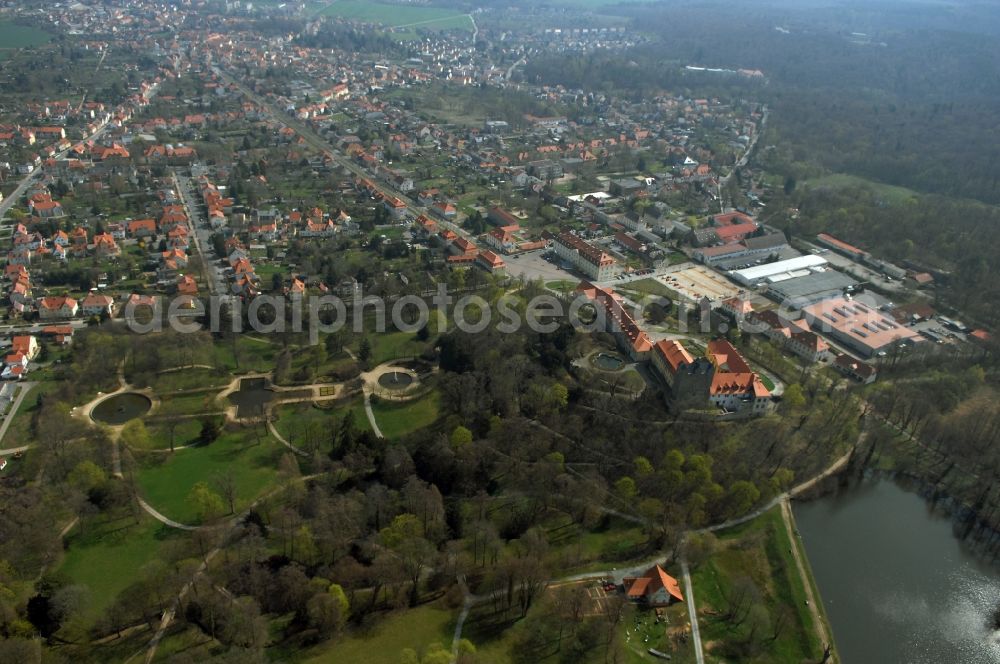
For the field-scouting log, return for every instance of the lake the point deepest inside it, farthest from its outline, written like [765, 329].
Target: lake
[899, 588]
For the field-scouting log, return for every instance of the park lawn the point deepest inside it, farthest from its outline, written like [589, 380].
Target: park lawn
[166, 480]
[14, 36]
[392, 345]
[399, 419]
[573, 548]
[245, 354]
[186, 433]
[414, 628]
[189, 379]
[189, 404]
[109, 555]
[760, 550]
[296, 419]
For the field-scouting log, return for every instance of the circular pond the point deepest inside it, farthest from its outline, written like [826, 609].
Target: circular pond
[121, 408]
[395, 380]
[608, 362]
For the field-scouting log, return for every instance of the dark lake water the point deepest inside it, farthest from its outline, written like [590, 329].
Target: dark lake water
[899, 587]
[121, 408]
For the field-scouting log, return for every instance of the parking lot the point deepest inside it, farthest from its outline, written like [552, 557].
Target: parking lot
[532, 265]
[694, 282]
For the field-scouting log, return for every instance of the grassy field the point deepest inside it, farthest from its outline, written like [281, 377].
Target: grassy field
[761, 551]
[435, 18]
[189, 379]
[391, 346]
[185, 433]
[648, 287]
[399, 419]
[891, 194]
[166, 480]
[13, 36]
[107, 557]
[19, 431]
[416, 628]
[297, 422]
[189, 404]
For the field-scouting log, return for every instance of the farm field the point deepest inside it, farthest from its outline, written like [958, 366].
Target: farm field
[394, 16]
[14, 36]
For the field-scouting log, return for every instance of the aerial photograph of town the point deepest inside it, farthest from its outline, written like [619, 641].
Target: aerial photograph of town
[500, 331]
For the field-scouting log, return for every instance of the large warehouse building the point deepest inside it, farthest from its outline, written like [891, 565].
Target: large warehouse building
[774, 272]
[813, 287]
[857, 326]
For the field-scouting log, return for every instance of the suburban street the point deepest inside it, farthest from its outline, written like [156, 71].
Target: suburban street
[201, 235]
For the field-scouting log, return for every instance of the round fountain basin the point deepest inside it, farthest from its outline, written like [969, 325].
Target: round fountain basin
[395, 380]
[608, 362]
[121, 408]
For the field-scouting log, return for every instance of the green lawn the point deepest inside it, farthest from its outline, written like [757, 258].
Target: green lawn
[768, 383]
[246, 354]
[14, 36]
[166, 480]
[189, 379]
[761, 551]
[391, 346]
[299, 421]
[648, 287]
[189, 404]
[415, 628]
[107, 557]
[436, 18]
[399, 419]
[185, 433]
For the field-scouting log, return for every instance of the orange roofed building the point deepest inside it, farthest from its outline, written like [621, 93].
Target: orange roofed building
[654, 588]
[631, 338]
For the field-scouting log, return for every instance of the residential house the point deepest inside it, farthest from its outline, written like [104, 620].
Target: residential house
[96, 304]
[57, 307]
[856, 369]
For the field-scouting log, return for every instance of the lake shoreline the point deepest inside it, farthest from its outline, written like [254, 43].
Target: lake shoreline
[897, 580]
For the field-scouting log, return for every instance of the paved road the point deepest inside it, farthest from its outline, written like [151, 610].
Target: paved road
[699, 653]
[163, 519]
[22, 392]
[16, 195]
[201, 235]
[35, 328]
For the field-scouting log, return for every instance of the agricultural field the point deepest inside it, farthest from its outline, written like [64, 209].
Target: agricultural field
[14, 36]
[399, 16]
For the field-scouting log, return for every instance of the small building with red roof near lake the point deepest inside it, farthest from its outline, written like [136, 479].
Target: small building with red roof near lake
[654, 588]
